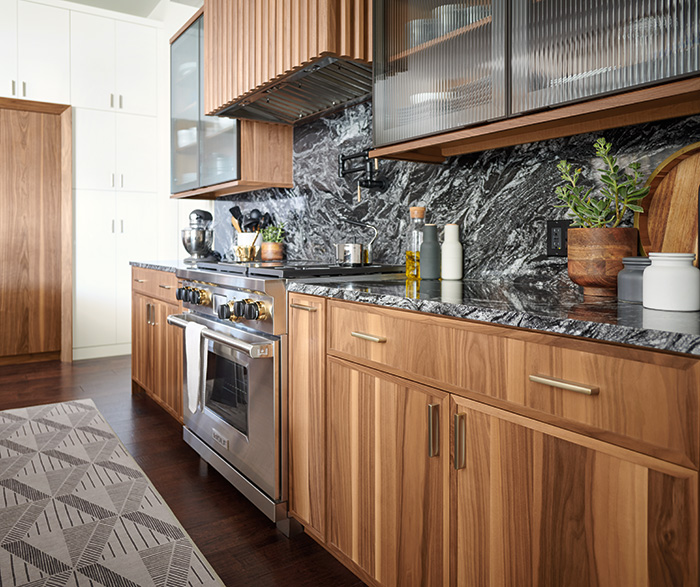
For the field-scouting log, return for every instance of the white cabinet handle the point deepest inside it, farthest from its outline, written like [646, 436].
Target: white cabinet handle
[122, 222]
[24, 89]
[121, 179]
[14, 88]
[113, 180]
[121, 101]
[567, 385]
[111, 100]
[112, 225]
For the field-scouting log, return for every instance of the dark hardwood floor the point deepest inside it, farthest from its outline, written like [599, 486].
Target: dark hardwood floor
[242, 545]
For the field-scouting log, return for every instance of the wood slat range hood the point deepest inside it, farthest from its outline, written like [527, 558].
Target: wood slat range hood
[286, 61]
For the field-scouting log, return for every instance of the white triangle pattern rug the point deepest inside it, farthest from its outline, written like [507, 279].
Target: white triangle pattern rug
[76, 509]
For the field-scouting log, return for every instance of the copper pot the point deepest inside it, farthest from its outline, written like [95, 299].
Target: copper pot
[595, 257]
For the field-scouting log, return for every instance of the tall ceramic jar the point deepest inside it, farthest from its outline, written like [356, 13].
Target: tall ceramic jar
[671, 282]
[629, 280]
[451, 258]
[430, 253]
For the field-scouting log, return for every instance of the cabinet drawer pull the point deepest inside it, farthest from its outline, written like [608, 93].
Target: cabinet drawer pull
[300, 307]
[14, 87]
[561, 384]
[165, 286]
[368, 337]
[24, 89]
[111, 100]
[140, 280]
[433, 430]
[460, 441]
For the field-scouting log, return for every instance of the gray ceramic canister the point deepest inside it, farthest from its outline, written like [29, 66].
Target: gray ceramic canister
[629, 280]
[430, 253]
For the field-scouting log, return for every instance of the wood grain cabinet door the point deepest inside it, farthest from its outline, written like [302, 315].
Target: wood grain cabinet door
[142, 341]
[307, 411]
[533, 504]
[167, 365]
[387, 499]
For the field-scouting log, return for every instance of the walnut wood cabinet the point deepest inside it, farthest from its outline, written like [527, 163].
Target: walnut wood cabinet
[307, 412]
[156, 355]
[533, 484]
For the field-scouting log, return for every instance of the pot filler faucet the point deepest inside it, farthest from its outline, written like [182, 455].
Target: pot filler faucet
[372, 178]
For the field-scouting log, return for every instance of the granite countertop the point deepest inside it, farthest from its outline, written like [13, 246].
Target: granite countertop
[560, 310]
[170, 266]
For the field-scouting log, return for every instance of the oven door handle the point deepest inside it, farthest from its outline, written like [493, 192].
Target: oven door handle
[254, 351]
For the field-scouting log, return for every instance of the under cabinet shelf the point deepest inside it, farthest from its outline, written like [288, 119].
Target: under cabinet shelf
[441, 39]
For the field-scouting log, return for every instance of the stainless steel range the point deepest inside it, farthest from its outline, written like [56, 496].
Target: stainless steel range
[235, 380]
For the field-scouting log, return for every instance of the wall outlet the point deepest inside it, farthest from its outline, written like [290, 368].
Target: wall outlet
[556, 237]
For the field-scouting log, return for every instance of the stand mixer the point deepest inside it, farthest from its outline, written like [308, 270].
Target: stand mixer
[199, 237]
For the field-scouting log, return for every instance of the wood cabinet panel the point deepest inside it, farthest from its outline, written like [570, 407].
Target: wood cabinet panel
[30, 232]
[307, 411]
[155, 284]
[536, 507]
[142, 343]
[261, 41]
[168, 363]
[386, 496]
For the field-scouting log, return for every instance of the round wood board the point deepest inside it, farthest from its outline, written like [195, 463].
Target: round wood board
[669, 223]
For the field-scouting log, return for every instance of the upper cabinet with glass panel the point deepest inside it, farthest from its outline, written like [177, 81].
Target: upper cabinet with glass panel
[423, 84]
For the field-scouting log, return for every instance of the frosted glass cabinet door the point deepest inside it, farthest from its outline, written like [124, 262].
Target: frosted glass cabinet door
[185, 107]
[437, 66]
[568, 51]
[8, 48]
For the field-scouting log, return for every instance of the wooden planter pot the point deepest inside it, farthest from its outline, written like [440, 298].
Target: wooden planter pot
[272, 251]
[595, 257]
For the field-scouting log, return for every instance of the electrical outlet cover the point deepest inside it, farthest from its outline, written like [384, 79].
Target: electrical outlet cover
[557, 237]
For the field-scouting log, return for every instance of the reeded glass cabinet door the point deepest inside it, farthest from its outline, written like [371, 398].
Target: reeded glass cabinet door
[184, 110]
[567, 51]
[438, 65]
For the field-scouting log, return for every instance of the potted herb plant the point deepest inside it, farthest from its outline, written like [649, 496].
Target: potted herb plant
[596, 241]
[272, 248]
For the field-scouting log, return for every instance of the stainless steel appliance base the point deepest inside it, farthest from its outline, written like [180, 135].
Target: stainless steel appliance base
[276, 511]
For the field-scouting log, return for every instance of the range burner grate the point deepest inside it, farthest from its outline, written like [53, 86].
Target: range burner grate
[296, 269]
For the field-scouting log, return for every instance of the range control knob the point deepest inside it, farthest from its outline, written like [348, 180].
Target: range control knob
[239, 309]
[255, 310]
[195, 296]
[224, 311]
[180, 293]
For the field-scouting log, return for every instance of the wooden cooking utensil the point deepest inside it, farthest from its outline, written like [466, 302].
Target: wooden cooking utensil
[235, 224]
[669, 222]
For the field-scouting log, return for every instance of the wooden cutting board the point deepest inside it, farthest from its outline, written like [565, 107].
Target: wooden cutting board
[669, 223]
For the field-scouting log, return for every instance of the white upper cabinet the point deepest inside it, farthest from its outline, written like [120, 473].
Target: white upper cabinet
[35, 58]
[113, 65]
[8, 48]
[114, 151]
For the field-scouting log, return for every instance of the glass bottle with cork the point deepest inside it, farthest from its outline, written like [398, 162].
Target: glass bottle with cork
[413, 242]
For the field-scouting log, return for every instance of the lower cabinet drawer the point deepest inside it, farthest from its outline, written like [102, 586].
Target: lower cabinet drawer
[437, 351]
[154, 283]
[646, 401]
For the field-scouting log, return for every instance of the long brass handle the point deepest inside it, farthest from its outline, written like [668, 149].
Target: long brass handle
[153, 314]
[300, 307]
[433, 430]
[140, 280]
[165, 286]
[368, 337]
[148, 314]
[460, 441]
[568, 385]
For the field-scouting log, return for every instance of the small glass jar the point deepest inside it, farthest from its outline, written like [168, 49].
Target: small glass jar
[671, 282]
[629, 280]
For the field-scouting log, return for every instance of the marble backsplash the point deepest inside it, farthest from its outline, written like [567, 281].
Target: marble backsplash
[500, 198]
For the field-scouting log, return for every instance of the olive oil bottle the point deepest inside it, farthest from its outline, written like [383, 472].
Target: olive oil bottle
[413, 242]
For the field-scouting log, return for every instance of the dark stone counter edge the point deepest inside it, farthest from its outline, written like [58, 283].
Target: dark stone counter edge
[155, 266]
[638, 337]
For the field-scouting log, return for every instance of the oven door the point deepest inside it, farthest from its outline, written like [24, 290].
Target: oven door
[235, 407]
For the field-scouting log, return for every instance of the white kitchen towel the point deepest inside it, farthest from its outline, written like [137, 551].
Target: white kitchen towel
[193, 358]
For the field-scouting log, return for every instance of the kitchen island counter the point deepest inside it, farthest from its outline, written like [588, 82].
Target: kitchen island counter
[559, 309]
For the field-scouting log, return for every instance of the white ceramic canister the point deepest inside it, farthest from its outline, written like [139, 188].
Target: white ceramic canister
[671, 282]
[452, 260]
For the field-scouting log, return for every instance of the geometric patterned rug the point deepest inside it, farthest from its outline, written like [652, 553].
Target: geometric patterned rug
[76, 509]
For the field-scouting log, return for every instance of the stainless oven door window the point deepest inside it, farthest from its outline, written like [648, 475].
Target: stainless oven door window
[240, 414]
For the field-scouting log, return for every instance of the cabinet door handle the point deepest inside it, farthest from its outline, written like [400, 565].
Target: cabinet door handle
[165, 286]
[24, 89]
[112, 225]
[368, 337]
[567, 385]
[148, 314]
[140, 280]
[300, 307]
[153, 315]
[113, 180]
[460, 441]
[121, 181]
[433, 430]
[14, 87]
[122, 225]
[111, 100]
[121, 101]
